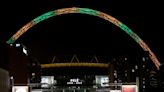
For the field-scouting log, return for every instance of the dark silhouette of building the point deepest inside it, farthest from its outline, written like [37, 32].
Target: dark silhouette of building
[14, 62]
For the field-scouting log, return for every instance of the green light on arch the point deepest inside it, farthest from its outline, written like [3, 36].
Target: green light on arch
[44, 17]
[88, 11]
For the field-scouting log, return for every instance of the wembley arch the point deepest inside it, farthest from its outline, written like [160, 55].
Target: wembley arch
[88, 11]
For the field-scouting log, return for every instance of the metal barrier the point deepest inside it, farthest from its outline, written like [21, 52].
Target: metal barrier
[113, 87]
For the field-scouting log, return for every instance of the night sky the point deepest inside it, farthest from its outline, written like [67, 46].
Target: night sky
[80, 34]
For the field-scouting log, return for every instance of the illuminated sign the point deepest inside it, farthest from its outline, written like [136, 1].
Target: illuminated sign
[47, 81]
[103, 81]
[74, 81]
[20, 89]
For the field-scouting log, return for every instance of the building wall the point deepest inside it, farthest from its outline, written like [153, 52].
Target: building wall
[17, 65]
[4, 81]
[15, 62]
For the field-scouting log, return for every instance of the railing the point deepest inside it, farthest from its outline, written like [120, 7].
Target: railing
[113, 87]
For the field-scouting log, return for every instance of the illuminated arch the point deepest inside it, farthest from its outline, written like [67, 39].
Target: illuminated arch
[89, 12]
